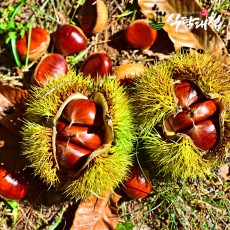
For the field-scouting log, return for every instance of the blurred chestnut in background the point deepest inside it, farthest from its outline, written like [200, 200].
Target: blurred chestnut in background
[96, 64]
[136, 185]
[140, 35]
[39, 43]
[69, 39]
[68, 154]
[93, 16]
[85, 137]
[13, 185]
[51, 65]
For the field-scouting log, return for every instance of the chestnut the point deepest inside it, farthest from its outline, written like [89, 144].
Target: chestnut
[51, 65]
[204, 134]
[93, 16]
[186, 93]
[96, 64]
[69, 154]
[85, 137]
[83, 112]
[136, 186]
[39, 43]
[127, 72]
[69, 39]
[198, 112]
[140, 35]
[203, 110]
[13, 185]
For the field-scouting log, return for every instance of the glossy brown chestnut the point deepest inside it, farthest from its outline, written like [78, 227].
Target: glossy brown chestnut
[69, 39]
[51, 65]
[140, 35]
[186, 93]
[39, 43]
[96, 64]
[93, 16]
[136, 186]
[69, 154]
[85, 137]
[198, 112]
[83, 112]
[204, 134]
[13, 185]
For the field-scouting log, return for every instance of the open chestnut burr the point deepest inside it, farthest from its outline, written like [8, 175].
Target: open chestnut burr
[182, 107]
[136, 185]
[140, 35]
[13, 185]
[51, 65]
[195, 120]
[85, 143]
[69, 39]
[39, 43]
[96, 64]
[93, 16]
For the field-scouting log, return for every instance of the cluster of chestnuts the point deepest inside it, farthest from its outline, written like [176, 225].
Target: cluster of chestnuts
[80, 127]
[199, 118]
[79, 132]
[70, 39]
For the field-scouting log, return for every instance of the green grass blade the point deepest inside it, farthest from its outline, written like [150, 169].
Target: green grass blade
[13, 36]
[28, 45]
[39, 220]
[59, 220]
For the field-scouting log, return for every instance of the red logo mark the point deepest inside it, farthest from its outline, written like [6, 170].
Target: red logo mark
[204, 12]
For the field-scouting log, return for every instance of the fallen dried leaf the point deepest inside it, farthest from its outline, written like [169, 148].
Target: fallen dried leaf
[10, 150]
[224, 172]
[198, 38]
[97, 214]
[11, 107]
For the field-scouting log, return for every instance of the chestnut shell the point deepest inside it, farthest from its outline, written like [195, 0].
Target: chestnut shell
[51, 65]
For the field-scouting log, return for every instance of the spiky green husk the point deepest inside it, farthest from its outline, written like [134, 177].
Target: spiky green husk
[180, 159]
[105, 171]
[40, 154]
[154, 99]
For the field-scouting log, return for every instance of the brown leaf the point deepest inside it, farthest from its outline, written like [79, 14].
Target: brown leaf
[224, 172]
[199, 38]
[10, 150]
[97, 214]
[11, 107]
